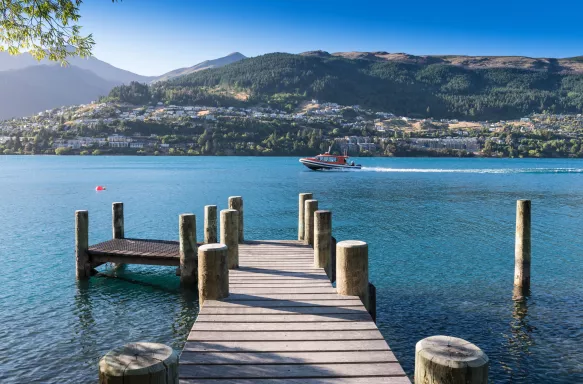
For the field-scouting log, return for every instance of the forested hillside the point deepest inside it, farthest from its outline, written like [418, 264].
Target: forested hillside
[409, 89]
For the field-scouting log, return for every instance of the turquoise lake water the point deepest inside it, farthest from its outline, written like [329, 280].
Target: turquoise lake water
[440, 234]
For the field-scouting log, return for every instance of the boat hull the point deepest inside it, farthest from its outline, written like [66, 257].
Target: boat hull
[320, 165]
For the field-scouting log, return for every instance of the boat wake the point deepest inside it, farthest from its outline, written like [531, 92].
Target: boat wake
[477, 170]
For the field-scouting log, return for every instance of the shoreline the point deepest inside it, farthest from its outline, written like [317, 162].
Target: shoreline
[474, 156]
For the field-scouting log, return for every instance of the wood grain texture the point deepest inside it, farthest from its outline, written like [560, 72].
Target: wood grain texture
[283, 322]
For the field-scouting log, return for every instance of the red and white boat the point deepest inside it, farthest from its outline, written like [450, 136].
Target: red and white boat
[328, 161]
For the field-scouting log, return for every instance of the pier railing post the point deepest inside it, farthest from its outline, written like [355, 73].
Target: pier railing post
[236, 203]
[352, 270]
[213, 272]
[188, 248]
[139, 363]
[323, 241]
[301, 210]
[445, 359]
[83, 270]
[117, 221]
[311, 206]
[229, 236]
[522, 248]
[210, 224]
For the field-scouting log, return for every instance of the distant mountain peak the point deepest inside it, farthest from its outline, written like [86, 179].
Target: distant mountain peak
[216, 63]
[318, 53]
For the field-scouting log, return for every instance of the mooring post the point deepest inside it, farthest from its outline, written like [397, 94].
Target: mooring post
[83, 270]
[213, 272]
[445, 359]
[311, 206]
[236, 203]
[210, 224]
[372, 301]
[117, 222]
[139, 363]
[522, 248]
[188, 261]
[352, 270]
[323, 241]
[303, 198]
[333, 260]
[229, 236]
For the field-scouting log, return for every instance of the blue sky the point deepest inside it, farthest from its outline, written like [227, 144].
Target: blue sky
[153, 37]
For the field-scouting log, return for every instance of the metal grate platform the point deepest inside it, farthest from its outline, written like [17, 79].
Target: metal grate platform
[136, 251]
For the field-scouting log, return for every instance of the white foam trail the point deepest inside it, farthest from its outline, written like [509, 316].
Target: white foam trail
[486, 170]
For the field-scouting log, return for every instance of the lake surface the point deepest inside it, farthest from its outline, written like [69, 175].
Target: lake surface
[440, 234]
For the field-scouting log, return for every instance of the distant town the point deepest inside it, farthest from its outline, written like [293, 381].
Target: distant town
[108, 128]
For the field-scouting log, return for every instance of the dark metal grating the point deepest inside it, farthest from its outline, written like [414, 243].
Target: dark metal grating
[137, 247]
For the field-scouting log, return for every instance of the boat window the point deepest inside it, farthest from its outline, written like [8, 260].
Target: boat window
[333, 159]
[318, 158]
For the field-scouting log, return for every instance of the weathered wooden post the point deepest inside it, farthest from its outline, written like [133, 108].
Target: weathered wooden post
[83, 270]
[323, 241]
[522, 248]
[352, 270]
[188, 248]
[210, 224]
[303, 198]
[333, 260]
[445, 359]
[229, 235]
[213, 272]
[372, 301]
[236, 202]
[117, 222]
[139, 363]
[311, 206]
[117, 225]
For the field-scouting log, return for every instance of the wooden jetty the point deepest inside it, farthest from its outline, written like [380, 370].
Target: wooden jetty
[269, 312]
[283, 322]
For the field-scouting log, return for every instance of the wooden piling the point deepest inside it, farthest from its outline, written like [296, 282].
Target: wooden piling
[236, 202]
[139, 363]
[83, 270]
[213, 272]
[229, 235]
[445, 359]
[522, 247]
[372, 301]
[333, 260]
[117, 221]
[302, 204]
[210, 224]
[311, 206]
[352, 270]
[188, 249]
[323, 240]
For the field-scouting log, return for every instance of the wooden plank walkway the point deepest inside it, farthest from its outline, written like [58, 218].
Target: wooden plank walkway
[284, 323]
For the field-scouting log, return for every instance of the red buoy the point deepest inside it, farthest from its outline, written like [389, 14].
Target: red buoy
[100, 188]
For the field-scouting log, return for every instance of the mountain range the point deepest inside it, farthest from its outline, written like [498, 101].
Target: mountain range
[426, 85]
[28, 86]
[443, 87]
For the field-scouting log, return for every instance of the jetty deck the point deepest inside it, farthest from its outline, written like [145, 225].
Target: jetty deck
[283, 322]
[135, 251]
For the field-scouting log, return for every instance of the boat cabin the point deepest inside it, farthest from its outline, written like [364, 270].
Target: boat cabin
[331, 159]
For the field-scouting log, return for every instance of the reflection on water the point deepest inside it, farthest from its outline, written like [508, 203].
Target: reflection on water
[520, 338]
[93, 338]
